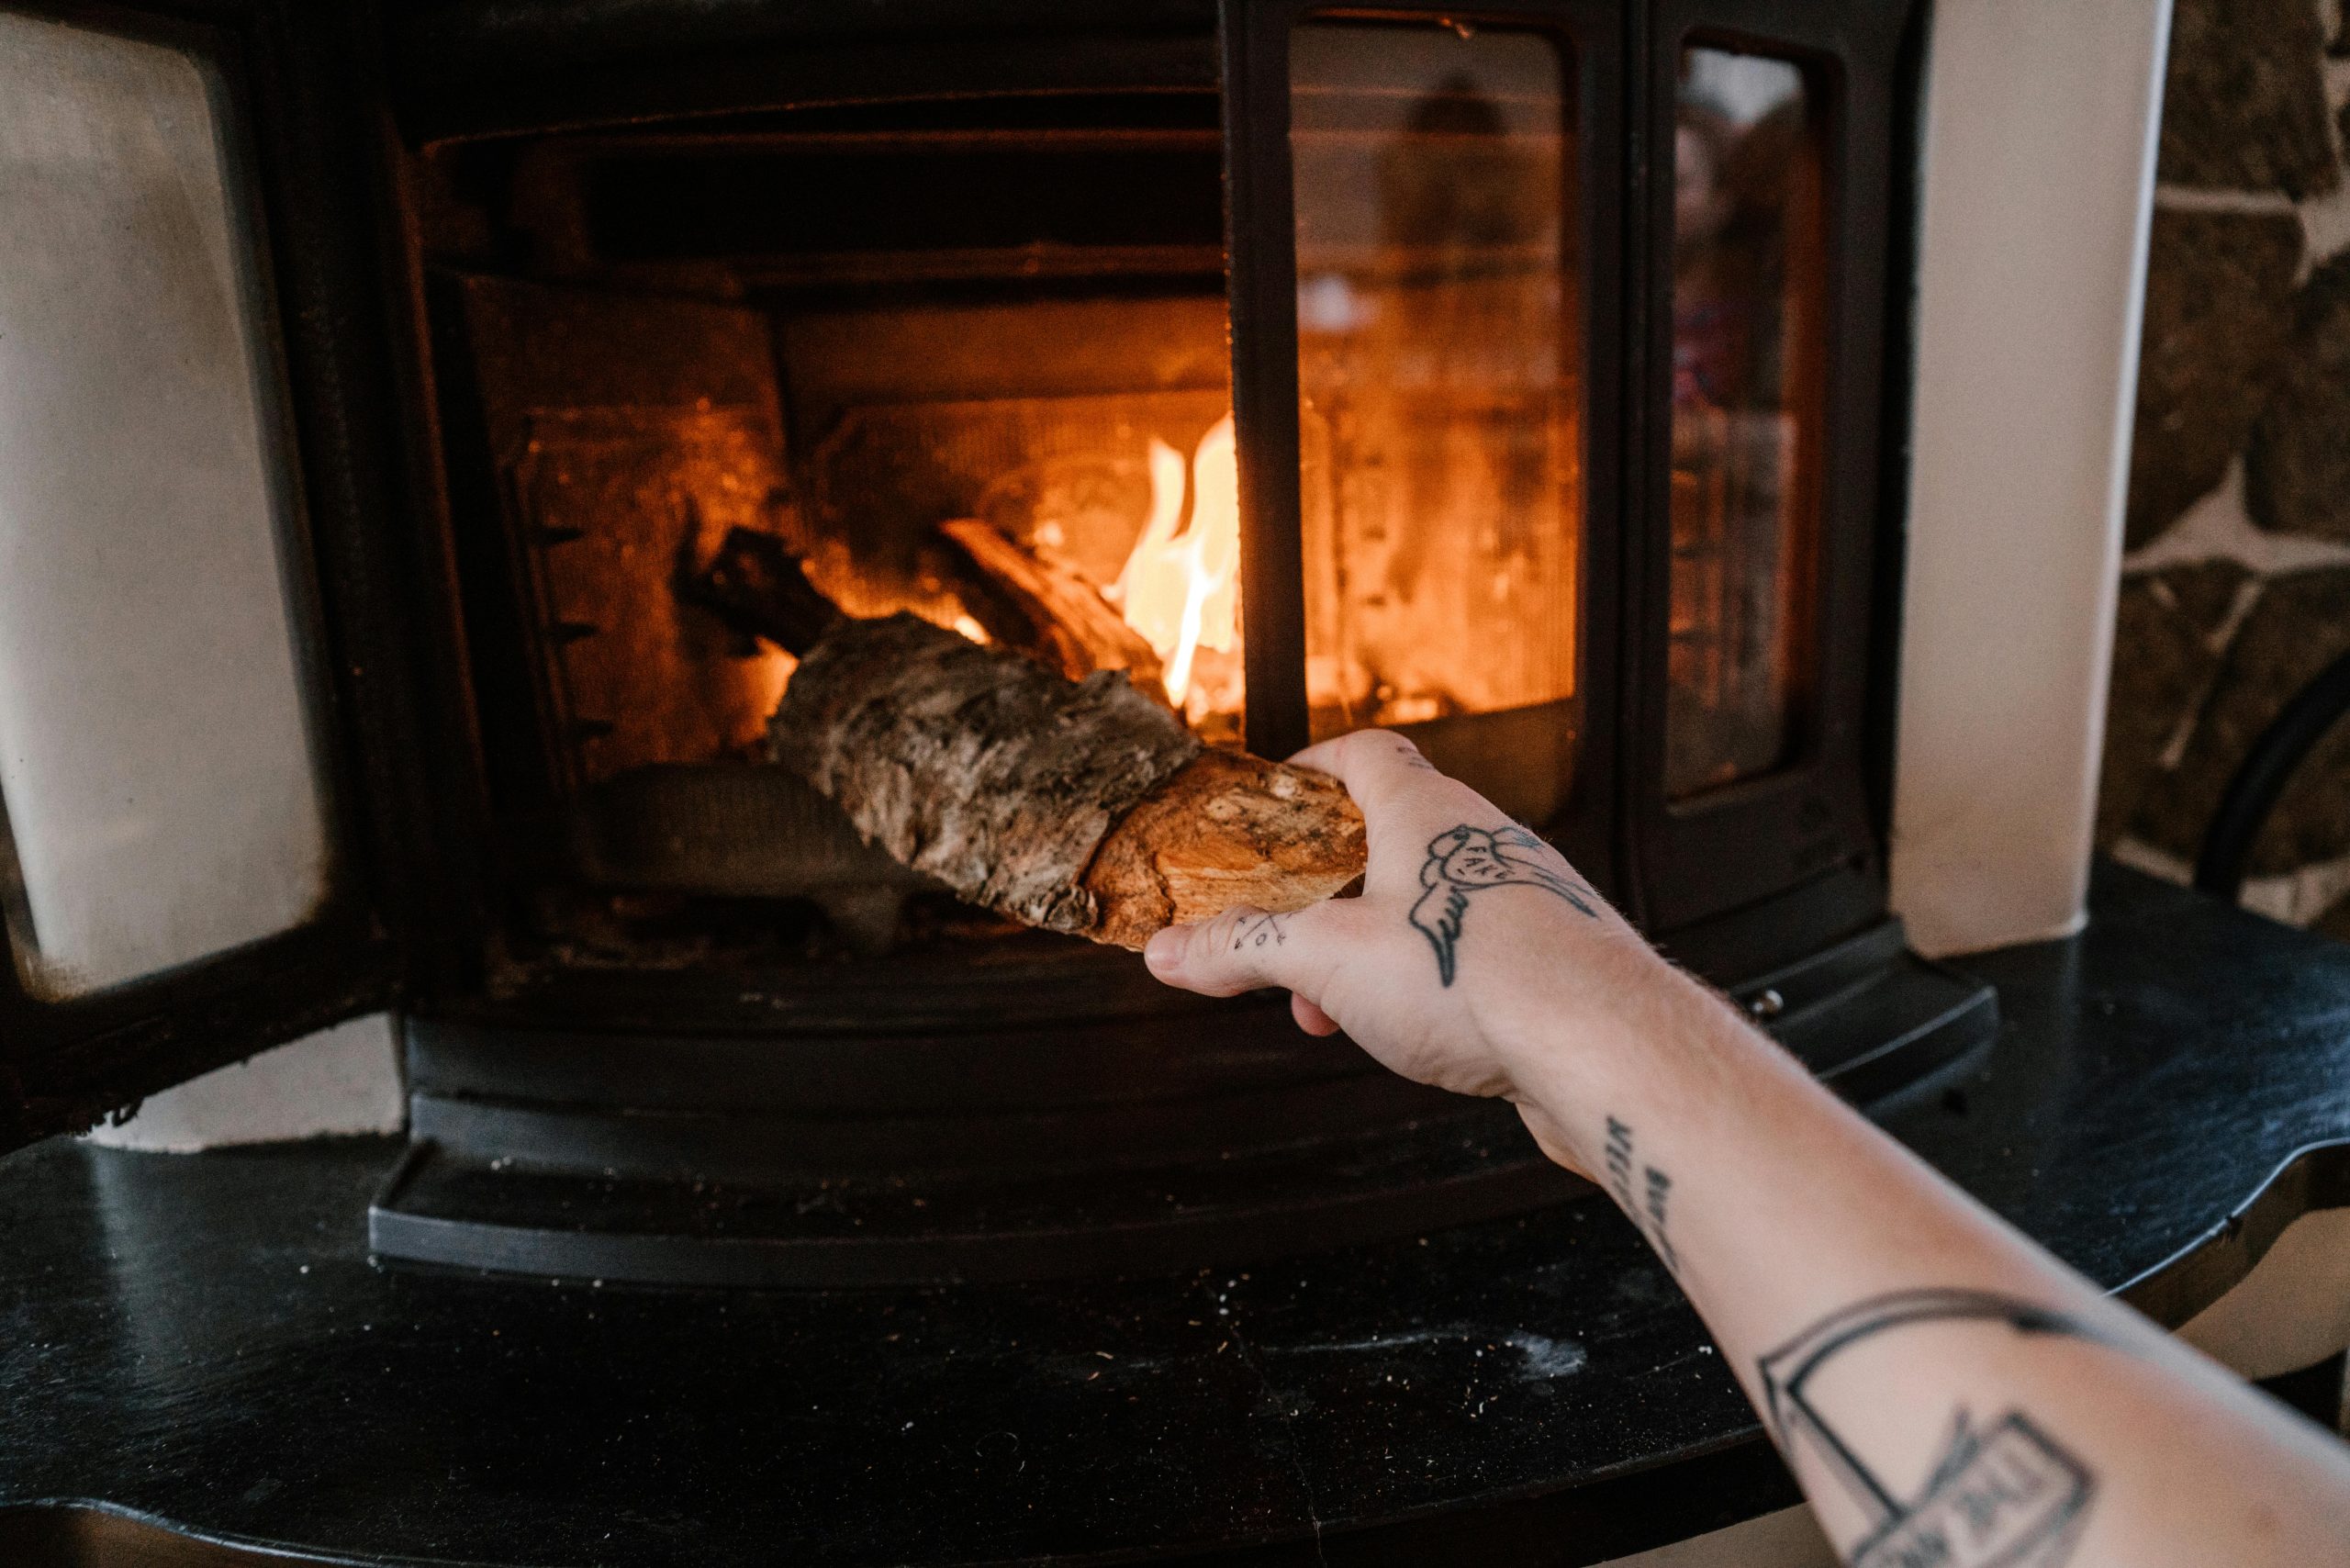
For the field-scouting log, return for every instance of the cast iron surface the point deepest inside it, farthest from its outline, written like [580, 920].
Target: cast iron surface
[201, 1341]
[1017, 1151]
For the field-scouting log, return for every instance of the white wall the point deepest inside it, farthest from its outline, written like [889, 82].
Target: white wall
[2041, 123]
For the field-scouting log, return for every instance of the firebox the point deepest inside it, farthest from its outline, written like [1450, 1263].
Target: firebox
[1511, 378]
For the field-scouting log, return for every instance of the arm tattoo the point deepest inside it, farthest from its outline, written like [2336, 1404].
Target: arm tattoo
[1465, 860]
[1258, 931]
[1643, 1203]
[1990, 1496]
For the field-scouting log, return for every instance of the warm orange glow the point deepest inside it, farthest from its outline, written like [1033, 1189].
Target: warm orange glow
[1181, 585]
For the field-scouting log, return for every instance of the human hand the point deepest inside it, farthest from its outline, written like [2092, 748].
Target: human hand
[1474, 953]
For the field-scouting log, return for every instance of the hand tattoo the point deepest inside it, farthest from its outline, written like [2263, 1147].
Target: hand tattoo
[1996, 1496]
[1258, 931]
[1467, 859]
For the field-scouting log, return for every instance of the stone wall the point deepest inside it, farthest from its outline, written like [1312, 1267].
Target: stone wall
[2235, 588]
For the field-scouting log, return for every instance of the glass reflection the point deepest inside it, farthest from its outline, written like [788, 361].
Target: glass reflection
[1441, 422]
[1746, 381]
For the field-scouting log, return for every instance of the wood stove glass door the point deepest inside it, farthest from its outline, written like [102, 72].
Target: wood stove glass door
[1748, 277]
[157, 759]
[1440, 253]
[1766, 220]
[169, 872]
[1438, 411]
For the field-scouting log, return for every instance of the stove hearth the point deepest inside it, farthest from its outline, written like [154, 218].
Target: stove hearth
[1679, 417]
[1304, 370]
[1294, 391]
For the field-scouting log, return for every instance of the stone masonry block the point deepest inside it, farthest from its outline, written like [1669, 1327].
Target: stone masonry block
[2163, 663]
[2297, 470]
[2301, 623]
[2245, 107]
[2218, 305]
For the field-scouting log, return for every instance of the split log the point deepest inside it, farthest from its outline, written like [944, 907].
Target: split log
[1045, 610]
[1224, 829]
[1077, 806]
[973, 765]
[1081, 807]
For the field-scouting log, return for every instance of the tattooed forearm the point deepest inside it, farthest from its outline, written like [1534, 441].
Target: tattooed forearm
[1643, 1195]
[1465, 860]
[1988, 1495]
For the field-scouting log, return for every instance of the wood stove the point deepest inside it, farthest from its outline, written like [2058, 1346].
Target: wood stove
[1514, 378]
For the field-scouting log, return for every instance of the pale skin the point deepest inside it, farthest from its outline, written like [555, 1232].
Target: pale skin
[1945, 1392]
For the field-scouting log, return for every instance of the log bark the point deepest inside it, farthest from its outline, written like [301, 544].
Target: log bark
[1045, 610]
[1082, 807]
[976, 766]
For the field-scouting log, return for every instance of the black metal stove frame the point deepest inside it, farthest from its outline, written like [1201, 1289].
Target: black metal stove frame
[1774, 888]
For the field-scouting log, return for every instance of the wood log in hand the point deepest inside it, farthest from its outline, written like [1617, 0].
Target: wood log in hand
[1080, 806]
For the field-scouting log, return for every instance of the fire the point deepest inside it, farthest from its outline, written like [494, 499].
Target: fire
[1181, 585]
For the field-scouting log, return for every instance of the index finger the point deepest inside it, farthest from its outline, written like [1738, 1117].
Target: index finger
[1376, 766]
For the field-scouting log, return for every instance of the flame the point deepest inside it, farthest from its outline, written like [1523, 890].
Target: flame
[1181, 585]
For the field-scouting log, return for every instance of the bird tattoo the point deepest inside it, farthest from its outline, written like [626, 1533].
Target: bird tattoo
[1467, 858]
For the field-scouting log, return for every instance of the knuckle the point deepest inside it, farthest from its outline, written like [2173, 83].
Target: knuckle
[1211, 939]
[1207, 962]
[1224, 930]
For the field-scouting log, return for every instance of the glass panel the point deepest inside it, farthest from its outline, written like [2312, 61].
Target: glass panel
[1437, 311]
[155, 759]
[1747, 366]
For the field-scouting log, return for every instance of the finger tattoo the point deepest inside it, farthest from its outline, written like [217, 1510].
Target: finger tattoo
[1260, 930]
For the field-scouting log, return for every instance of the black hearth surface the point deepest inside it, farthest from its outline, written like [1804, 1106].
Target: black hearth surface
[202, 1343]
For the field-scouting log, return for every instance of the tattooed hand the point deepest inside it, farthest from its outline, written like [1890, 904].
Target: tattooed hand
[1451, 960]
[1948, 1395]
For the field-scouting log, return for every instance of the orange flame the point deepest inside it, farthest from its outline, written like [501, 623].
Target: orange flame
[1181, 585]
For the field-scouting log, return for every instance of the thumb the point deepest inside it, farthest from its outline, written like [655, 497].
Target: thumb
[1244, 948]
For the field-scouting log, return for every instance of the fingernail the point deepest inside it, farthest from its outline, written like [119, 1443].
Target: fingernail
[1164, 949]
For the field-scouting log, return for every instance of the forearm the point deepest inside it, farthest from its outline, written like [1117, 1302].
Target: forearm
[1929, 1371]
[1948, 1395]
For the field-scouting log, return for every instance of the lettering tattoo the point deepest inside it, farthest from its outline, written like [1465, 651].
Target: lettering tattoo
[1642, 1198]
[1619, 1160]
[1988, 1497]
[1659, 1186]
[1258, 931]
[1465, 860]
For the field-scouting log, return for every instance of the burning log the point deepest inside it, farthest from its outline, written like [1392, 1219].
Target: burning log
[1045, 610]
[1077, 806]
